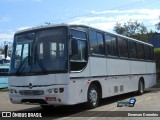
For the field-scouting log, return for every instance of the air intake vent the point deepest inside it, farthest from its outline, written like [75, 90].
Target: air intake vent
[121, 88]
[31, 92]
[115, 89]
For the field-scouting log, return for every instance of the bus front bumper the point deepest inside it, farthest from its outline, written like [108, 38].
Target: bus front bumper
[53, 95]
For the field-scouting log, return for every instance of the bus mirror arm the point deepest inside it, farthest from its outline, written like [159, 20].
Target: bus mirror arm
[6, 51]
[74, 46]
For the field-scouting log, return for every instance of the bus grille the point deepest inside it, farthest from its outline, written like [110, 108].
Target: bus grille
[31, 92]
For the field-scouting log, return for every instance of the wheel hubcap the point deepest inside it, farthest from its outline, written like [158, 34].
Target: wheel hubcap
[93, 96]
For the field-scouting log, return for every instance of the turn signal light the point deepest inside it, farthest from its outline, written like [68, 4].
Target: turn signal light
[61, 90]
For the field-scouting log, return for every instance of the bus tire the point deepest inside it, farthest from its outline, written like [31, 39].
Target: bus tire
[140, 88]
[93, 96]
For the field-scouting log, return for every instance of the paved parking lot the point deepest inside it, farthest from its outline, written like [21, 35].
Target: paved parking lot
[150, 101]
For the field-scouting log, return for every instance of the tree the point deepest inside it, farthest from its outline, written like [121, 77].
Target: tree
[133, 29]
[158, 25]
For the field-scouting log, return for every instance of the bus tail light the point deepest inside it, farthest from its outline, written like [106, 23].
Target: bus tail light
[61, 90]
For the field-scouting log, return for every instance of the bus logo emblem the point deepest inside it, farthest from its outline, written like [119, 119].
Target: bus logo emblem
[30, 85]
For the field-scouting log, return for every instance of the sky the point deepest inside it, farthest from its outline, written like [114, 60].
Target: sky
[16, 15]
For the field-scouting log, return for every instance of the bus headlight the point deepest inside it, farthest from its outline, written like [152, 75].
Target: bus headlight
[13, 91]
[56, 90]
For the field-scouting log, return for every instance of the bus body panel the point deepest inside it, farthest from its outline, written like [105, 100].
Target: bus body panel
[118, 67]
[151, 67]
[42, 80]
[138, 67]
[98, 66]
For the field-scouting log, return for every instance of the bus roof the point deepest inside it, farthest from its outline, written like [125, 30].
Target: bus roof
[114, 34]
[81, 26]
[41, 27]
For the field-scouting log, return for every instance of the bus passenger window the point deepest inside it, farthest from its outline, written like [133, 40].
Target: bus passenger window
[152, 53]
[111, 45]
[147, 52]
[96, 43]
[140, 50]
[132, 49]
[122, 45]
[100, 44]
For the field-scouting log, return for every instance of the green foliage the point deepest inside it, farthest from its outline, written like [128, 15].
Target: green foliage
[157, 55]
[133, 29]
[158, 25]
[157, 58]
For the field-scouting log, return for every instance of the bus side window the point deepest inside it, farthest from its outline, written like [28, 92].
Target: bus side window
[111, 45]
[122, 45]
[140, 51]
[132, 49]
[147, 52]
[100, 44]
[96, 43]
[152, 53]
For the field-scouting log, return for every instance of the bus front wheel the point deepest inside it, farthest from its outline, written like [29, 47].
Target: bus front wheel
[93, 96]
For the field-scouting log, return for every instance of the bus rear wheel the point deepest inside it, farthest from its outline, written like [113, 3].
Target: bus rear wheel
[93, 96]
[140, 88]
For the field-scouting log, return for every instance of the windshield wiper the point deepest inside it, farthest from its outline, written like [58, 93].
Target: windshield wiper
[39, 62]
[23, 63]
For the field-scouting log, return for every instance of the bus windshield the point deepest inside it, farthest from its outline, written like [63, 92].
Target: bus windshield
[40, 51]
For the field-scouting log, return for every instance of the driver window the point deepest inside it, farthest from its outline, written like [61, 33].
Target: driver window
[79, 61]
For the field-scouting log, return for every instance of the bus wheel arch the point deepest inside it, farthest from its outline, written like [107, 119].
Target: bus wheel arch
[141, 86]
[94, 94]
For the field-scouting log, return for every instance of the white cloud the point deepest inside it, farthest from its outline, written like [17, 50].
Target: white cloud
[6, 36]
[104, 25]
[107, 19]
[23, 28]
[5, 19]
[134, 11]
[112, 11]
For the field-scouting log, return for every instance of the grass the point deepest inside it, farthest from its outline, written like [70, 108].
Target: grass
[3, 89]
[157, 85]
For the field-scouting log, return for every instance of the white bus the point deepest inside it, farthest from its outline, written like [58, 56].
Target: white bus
[70, 64]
